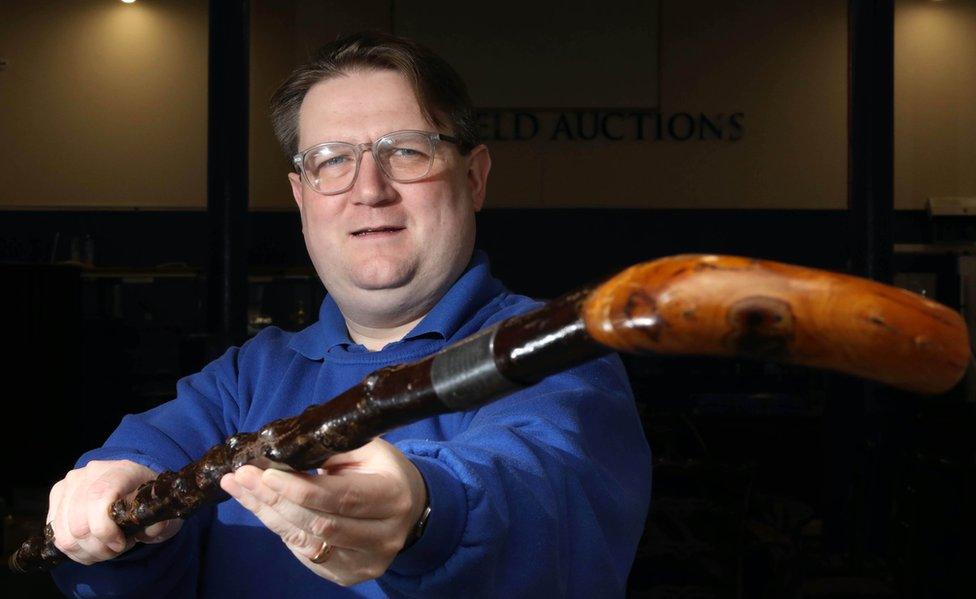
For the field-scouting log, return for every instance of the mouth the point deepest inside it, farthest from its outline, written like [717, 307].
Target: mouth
[376, 231]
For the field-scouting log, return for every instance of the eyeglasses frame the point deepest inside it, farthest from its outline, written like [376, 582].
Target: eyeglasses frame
[360, 149]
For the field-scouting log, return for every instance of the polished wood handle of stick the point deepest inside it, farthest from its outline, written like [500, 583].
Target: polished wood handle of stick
[691, 305]
[733, 306]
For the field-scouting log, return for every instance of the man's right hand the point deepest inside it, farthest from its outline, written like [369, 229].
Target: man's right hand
[79, 511]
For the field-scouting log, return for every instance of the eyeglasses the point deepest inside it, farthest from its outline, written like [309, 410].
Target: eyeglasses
[403, 156]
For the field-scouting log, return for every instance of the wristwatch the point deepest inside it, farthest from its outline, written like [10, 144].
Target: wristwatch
[418, 529]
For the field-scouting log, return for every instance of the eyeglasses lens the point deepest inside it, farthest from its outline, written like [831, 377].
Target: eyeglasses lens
[404, 157]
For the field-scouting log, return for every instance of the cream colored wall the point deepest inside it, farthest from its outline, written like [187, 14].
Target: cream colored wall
[782, 63]
[103, 103]
[935, 100]
[284, 33]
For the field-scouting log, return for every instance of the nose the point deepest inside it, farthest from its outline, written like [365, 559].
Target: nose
[372, 187]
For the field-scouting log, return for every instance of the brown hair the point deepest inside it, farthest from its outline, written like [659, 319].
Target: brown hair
[441, 93]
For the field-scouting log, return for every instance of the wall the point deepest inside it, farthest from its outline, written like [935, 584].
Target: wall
[782, 64]
[104, 105]
[935, 100]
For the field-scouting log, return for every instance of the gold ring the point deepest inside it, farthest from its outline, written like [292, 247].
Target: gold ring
[325, 552]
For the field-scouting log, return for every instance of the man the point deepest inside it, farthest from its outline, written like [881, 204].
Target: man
[543, 491]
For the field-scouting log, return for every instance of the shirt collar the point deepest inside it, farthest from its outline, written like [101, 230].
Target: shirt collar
[473, 289]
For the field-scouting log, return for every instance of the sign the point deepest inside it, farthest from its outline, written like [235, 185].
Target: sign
[609, 125]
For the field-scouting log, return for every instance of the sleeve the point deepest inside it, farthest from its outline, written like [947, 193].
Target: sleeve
[543, 492]
[206, 410]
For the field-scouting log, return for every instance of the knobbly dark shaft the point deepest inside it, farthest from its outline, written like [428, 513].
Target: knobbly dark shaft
[492, 363]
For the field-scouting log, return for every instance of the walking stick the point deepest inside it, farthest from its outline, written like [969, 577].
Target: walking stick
[680, 305]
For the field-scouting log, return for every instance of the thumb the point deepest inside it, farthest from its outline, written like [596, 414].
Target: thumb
[369, 458]
[159, 532]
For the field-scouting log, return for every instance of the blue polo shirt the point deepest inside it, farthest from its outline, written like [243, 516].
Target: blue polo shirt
[544, 491]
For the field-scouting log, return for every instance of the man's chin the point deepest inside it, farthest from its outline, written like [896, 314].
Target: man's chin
[383, 281]
[382, 273]
[389, 285]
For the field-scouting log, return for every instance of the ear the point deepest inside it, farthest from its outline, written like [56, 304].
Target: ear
[296, 188]
[479, 164]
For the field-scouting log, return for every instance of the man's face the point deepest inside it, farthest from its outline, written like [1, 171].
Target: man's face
[386, 251]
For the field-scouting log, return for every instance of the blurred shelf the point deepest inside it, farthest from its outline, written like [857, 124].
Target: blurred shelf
[959, 249]
[149, 275]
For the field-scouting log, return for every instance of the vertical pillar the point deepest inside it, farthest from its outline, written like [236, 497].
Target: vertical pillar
[856, 491]
[871, 136]
[227, 172]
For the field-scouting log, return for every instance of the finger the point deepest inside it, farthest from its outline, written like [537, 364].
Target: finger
[68, 515]
[71, 522]
[229, 485]
[351, 494]
[297, 539]
[74, 513]
[58, 518]
[264, 513]
[95, 536]
[102, 493]
[71, 519]
[364, 534]
[345, 567]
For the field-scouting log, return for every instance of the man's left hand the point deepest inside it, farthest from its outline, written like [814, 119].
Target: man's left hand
[363, 503]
